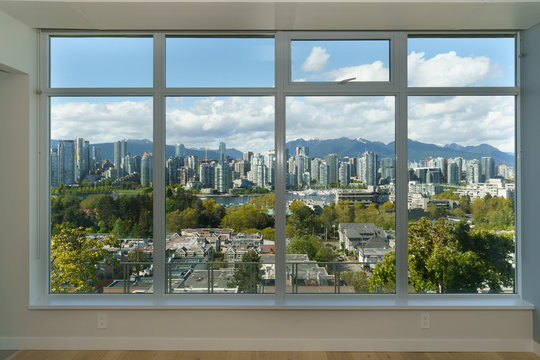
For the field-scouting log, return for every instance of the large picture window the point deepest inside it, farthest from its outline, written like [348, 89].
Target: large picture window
[278, 166]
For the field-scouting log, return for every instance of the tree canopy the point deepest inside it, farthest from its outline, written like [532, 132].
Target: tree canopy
[446, 258]
[247, 274]
[75, 257]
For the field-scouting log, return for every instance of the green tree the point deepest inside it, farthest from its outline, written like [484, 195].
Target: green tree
[436, 211]
[303, 220]
[121, 228]
[264, 202]
[75, 257]
[344, 212]
[248, 273]
[268, 233]
[304, 244]
[449, 194]
[185, 219]
[328, 218]
[137, 255]
[465, 204]
[312, 246]
[358, 279]
[384, 274]
[246, 217]
[446, 258]
[211, 214]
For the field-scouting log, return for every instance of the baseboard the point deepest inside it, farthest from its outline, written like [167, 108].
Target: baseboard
[266, 344]
[536, 348]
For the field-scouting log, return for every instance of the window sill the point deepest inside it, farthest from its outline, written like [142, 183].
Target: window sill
[290, 302]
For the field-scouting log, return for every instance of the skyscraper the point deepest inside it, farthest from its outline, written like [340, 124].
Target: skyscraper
[120, 150]
[388, 169]
[54, 167]
[222, 178]
[247, 155]
[146, 169]
[171, 170]
[207, 175]
[302, 150]
[299, 161]
[454, 175]
[179, 151]
[344, 173]
[315, 169]
[323, 174]
[488, 168]
[96, 158]
[270, 163]
[370, 168]
[66, 162]
[332, 162]
[192, 162]
[81, 158]
[222, 153]
[473, 172]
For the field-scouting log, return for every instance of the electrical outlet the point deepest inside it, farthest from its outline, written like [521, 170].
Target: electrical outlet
[425, 321]
[101, 321]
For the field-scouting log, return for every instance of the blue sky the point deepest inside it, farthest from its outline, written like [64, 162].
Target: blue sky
[328, 56]
[217, 62]
[101, 62]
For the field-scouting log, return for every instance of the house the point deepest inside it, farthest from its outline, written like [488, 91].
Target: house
[357, 235]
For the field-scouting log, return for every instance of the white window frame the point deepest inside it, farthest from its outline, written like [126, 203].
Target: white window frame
[283, 87]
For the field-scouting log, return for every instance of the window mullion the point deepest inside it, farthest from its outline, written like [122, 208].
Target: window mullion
[282, 73]
[159, 165]
[400, 54]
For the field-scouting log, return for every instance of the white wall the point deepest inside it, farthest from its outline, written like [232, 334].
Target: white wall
[531, 169]
[481, 330]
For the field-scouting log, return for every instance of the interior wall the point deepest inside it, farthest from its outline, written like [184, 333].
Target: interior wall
[530, 65]
[480, 330]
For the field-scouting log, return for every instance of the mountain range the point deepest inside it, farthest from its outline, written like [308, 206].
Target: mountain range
[320, 148]
[416, 150]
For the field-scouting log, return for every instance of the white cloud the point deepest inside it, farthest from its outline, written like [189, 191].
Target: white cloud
[465, 120]
[317, 59]
[367, 72]
[247, 123]
[332, 117]
[244, 123]
[102, 121]
[449, 69]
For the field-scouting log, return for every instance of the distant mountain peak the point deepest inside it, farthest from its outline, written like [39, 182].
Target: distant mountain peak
[454, 146]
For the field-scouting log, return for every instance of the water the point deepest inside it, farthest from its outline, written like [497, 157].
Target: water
[325, 197]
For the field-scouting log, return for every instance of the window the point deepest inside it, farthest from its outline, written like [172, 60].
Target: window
[225, 166]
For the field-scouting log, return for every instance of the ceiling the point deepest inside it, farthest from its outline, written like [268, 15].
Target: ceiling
[275, 15]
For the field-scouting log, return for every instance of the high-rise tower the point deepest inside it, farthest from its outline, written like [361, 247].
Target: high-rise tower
[66, 162]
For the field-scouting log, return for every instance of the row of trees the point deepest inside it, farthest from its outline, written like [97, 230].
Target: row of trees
[124, 216]
[489, 212]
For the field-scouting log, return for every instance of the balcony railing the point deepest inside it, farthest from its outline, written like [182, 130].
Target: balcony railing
[197, 277]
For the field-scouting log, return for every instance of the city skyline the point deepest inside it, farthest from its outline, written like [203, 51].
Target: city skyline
[73, 161]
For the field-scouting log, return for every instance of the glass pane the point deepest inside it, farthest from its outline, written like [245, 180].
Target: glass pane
[101, 62]
[220, 175]
[101, 195]
[339, 60]
[220, 62]
[461, 61]
[461, 194]
[340, 195]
